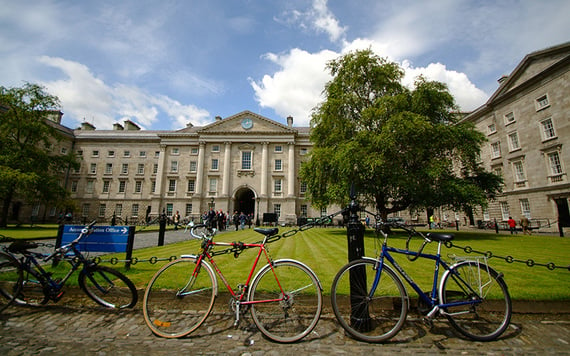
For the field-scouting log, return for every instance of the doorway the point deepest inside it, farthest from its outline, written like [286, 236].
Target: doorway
[563, 212]
[245, 201]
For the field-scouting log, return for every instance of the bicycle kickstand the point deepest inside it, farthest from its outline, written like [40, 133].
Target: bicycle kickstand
[428, 319]
[237, 306]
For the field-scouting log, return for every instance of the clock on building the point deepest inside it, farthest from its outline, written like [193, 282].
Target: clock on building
[247, 123]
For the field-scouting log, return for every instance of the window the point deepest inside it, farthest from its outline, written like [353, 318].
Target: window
[63, 150]
[138, 186]
[303, 187]
[188, 209]
[169, 209]
[125, 168]
[246, 160]
[509, 118]
[155, 168]
[194, 151]
[95, 153]
[213, 186]
[304, 210]
[172, 185]
[214, 164]
[486, 216]
[191, 185]
[80, 152]
[119, 209]
[525, 207]
[126, 153]
[556, 169]
[156, 154]
[102, 209]
[542, 102]
[323, 211]
[216, 148]
[278, 148]
[135, 210]
[505, 210]
[109, 168]
[74, 186]
[175, 151]
[93, 168]
[110, 153]
[277, 209]
[140, 168]
[142, 153]
[278, 165]
[547, 129]
[304, 151]
[496, 150]
[153, 186]
[491, 129]
[193, 166]
[89, 186]
[173, 166]
[518, 171]
[277, 185]
[122, 186]
[85, 210]
[106, 185]
[514, 141]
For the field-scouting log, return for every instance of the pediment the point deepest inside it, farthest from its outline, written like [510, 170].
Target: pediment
[246, 122]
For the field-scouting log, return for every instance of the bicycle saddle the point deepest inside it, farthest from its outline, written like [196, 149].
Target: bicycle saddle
[267, 232]
[435, 236]
[21, 245]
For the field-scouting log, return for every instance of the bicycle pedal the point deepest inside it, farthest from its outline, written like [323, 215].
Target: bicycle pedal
[428, 322]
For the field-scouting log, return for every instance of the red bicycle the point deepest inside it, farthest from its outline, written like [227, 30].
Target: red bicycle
[284, 297]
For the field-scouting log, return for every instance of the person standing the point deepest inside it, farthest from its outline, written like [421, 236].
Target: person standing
[525, 224]
[512, 225]
[176, 220]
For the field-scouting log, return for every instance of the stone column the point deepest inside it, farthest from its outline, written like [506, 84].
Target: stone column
[291, 171]
[227, 170]
[264, 168]
[200, 169]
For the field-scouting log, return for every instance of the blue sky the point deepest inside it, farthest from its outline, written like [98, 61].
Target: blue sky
[165, 63]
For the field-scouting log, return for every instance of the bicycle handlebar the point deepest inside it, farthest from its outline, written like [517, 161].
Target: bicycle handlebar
[210, 231]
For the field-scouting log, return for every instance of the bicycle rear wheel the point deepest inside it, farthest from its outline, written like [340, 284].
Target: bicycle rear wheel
[289, 316]
[10, 280]
[471, 281]
[371, 318]
[108, 287]
[179, 298]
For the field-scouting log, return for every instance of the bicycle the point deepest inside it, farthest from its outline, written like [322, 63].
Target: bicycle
[106, 286]
[9, 266]
[473, 296]
[284, 297]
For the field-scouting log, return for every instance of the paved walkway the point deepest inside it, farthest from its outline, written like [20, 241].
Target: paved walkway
[75, 326]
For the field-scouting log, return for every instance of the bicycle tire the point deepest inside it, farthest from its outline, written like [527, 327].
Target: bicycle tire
[486, 320]
[370, 319]
[11, 278]
[170, 314]
[108, 287]
[288, 317]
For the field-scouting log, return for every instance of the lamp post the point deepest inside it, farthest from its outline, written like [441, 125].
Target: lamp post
[257, 219]
[212, 204]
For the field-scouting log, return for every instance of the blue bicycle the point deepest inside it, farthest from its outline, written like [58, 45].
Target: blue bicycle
[371, 303]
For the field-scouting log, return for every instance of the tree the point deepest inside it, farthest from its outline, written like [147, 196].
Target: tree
[30, 167]
[401, 148]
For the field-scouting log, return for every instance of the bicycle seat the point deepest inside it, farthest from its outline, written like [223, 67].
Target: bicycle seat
[267, 232]
[435, 236]
[21, 245]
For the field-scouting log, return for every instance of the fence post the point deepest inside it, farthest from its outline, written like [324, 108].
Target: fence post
[359, 317]
[161, 228]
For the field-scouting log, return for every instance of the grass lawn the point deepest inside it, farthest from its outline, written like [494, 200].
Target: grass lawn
[325, 251]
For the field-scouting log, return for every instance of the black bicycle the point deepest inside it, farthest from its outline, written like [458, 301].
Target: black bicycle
[32, 284]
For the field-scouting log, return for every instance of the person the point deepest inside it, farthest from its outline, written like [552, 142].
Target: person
[512, 225]
[525, 224]
[432, 222]
[367, 221]
[235, 219]
[242, 220]
[176, 220]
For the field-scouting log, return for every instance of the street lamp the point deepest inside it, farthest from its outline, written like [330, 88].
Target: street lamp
[257, 219]
[212, 205]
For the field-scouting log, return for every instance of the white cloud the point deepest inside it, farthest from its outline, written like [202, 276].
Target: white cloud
[83, 96]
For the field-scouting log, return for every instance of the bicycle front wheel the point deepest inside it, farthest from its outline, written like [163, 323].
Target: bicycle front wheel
[287, 299]
[179, 298]
[108, 287]
[486, 309]
[369, 316]
[10, 280]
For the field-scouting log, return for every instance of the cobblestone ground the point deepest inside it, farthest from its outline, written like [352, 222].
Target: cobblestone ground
[81, 328]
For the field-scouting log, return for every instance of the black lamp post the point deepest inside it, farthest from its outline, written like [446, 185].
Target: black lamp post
[257, 219]
[212, 204]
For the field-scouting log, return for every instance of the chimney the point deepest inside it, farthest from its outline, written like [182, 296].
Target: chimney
[87, 126]
[118, 127]
[131, 126]
[502, 79]
[189, 125]
[218, 118]
[290, 121]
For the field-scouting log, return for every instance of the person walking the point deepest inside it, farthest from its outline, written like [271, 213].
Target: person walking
[512, 225]
[525, 224]
[176, 220]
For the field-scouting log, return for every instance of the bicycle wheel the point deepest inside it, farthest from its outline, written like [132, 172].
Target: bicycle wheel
[10, 280]
[290, 315]
[179, 298]
[33, 292]
[108, 287]
[371, 318]
[470, 281]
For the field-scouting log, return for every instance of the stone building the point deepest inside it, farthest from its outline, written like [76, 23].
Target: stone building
[527, 123]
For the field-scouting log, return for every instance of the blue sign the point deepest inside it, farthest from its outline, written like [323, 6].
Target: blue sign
[102, 239]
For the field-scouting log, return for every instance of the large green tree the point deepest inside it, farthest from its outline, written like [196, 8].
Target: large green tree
[30, 166]
[401, 148]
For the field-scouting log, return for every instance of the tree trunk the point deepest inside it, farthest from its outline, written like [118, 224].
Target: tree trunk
[6, 207]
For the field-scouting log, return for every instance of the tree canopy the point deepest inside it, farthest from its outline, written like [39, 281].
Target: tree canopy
[401, 148]
[30, 167]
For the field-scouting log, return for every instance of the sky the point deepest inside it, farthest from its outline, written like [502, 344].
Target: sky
[164, 64]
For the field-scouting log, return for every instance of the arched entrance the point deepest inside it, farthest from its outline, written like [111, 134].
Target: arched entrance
[245, 201]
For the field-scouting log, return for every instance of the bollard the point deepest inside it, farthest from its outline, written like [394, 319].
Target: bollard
[161, 229]
[359, 318]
